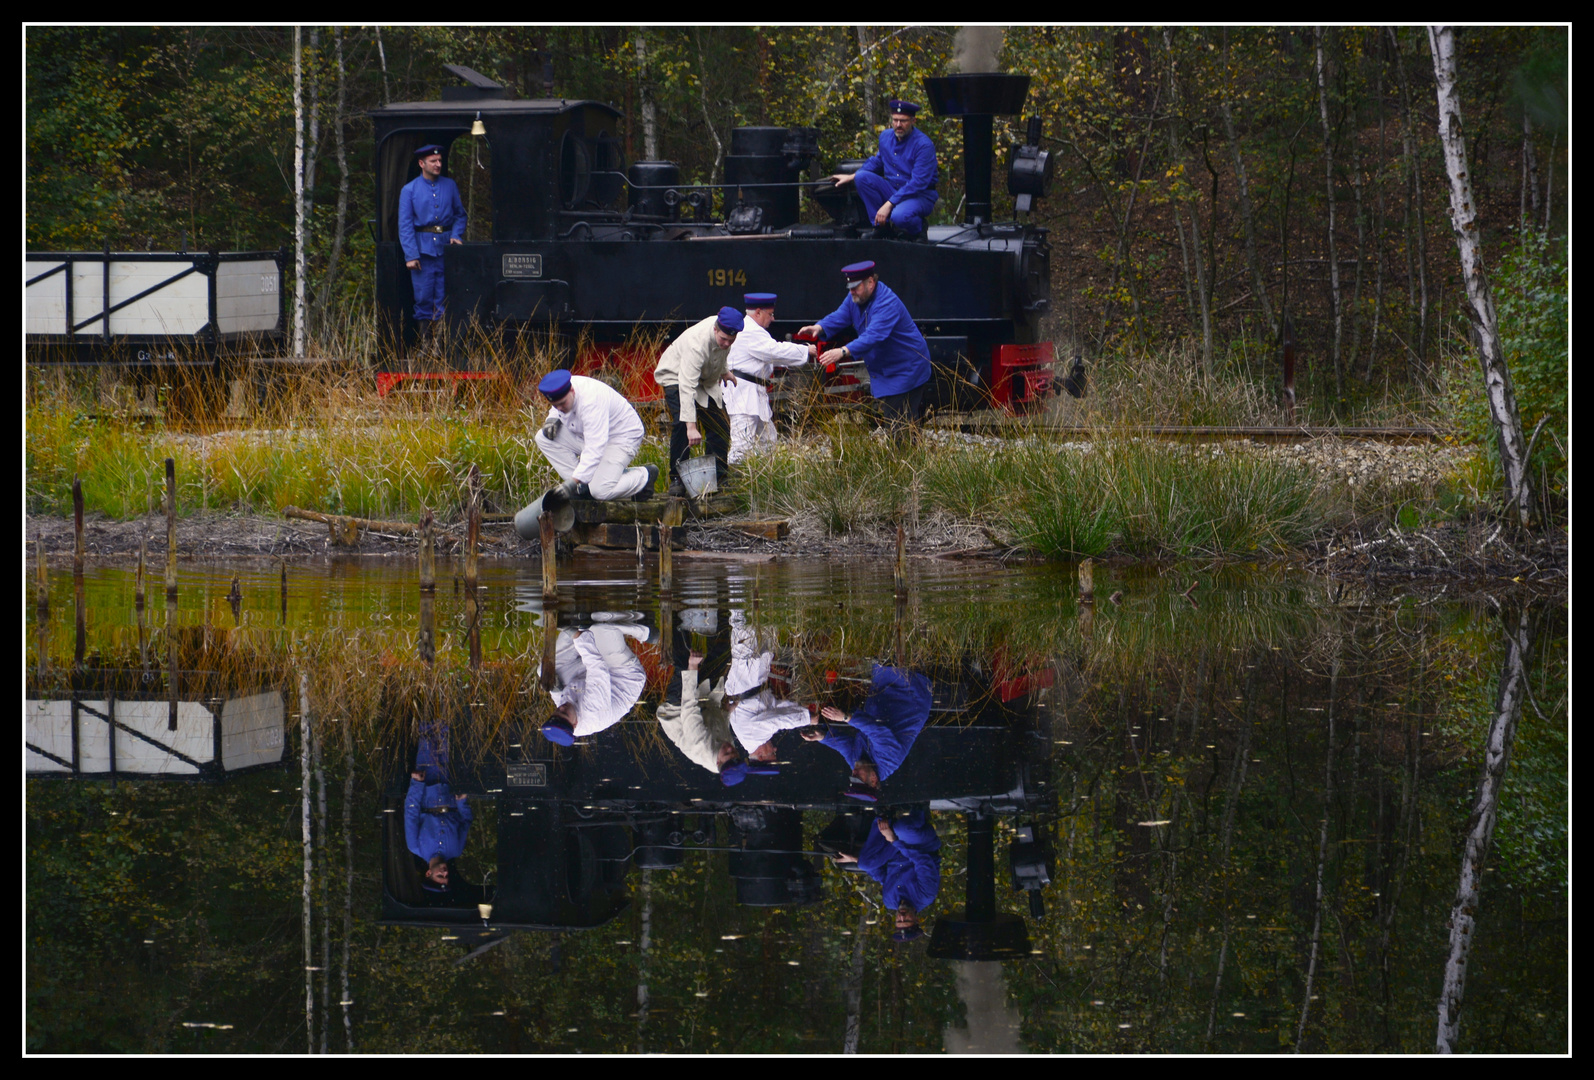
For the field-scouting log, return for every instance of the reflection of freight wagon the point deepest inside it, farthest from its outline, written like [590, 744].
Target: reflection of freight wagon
[148, 736]
[582, 242]
[149, 309]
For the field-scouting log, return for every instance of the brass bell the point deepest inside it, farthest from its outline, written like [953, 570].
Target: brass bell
[477, 128]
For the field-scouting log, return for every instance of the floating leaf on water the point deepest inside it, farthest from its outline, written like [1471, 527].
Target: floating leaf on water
[1164, 821]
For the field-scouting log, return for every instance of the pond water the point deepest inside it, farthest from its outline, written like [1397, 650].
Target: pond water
[1226, 818]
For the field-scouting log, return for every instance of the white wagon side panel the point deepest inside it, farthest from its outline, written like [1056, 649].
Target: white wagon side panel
[247, 296]
[251, 730]
[45, 300]
[48, 725]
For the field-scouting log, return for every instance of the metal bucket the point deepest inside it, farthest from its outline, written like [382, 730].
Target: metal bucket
[699, 476]
[528, 521]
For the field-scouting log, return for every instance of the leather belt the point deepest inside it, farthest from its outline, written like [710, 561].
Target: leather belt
[432, 228]
[755, 379]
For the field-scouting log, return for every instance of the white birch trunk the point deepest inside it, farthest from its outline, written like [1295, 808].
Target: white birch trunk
[650, 111]
[348, 883]
[1258, 283]
[702, 89]
[298, 197]
[1464, 223]
[1322, 854]
[1496, 756]
[341, 151]
[304, 803]
[381, 54]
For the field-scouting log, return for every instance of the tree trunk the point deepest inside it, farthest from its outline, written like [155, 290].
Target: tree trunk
[1496, 756]
[1322, 845]
[1177, 147]
[304, 830]
[1247, 219]
[1530, 174]
[348, 882]
[871, 112]
[849, 1039]
[1333, 257]
[643, 953]
[329, 281]
[1549, 179]
[650, 111]
[326, 922]
[382, 56]
[298, 197]
[1416, 224]
[1378, 236]
[1464, 223]
[702, 89]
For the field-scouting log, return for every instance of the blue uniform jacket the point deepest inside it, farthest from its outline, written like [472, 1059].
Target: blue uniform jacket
[422, 202]
[908, 165]
[909, 869]
[888, 342]
[435, 834]
[885, 725]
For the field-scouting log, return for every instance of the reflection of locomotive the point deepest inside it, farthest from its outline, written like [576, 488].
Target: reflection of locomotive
[601, 250]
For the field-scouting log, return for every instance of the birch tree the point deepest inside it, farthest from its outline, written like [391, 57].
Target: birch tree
[1496, 756]
[298, 196]
[1464, 224]
[1333, 257]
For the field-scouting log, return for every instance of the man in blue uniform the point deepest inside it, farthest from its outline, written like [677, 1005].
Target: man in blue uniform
[431, 216]
[436, 821]
[887, 341]
[876, 738]
[898, 183]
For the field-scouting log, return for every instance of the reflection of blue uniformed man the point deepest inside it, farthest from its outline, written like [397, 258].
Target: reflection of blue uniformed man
[431, 216]
[898, 183]
[879, 734]
[904, 856]
[436, 821]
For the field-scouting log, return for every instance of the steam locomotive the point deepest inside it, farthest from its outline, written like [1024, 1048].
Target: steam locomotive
[599, 250]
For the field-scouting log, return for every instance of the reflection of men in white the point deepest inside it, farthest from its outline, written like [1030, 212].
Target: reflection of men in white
[590, 437]
[697, 724]
[757, 715]
[599, 678]
[753, 357]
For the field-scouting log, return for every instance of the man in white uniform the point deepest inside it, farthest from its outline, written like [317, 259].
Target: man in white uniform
[754, 355]
[590, 437]
[598, 679]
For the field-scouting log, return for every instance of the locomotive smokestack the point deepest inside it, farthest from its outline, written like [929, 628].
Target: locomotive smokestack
[976, 98]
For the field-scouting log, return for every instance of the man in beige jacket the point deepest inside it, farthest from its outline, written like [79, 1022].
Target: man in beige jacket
[689, 373]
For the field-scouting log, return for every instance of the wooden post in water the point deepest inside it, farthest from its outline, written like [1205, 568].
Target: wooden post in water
[473, 529]
[284, 593]
[426, 640]
[899, 574]
[80, 621]
[171, 661]
[550, 559]
[171, 527]
[1087, 581]
[77, 527]
[674, 514]
[44, 576]
[550, 645]
[138, 577]
[428, 554]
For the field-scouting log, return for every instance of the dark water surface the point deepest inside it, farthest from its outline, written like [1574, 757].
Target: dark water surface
[1227, 820]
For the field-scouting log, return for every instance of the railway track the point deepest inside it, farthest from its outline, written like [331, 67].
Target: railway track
[1002, 424]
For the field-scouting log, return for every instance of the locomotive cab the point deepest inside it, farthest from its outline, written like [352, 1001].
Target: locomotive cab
[619, 256]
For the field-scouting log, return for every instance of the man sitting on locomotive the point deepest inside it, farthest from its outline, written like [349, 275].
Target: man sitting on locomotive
[898, 184]
[753, 357]
[590, 437]
[431, 216]
[888, 342]
[690, 373]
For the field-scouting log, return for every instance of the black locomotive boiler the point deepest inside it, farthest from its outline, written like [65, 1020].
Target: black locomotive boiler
[598, 249]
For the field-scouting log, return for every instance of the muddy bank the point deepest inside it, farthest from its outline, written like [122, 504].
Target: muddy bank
[1479, 550]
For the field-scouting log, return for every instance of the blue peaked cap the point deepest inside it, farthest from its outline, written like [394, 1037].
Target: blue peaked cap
[731, 320]
[558, 732]
[856, 272]
[907, 107]
[429, 148]
[554, 384]
[759, 299]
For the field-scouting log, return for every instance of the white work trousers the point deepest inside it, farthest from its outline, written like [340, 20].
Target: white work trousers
[747, 432]
[613, 479]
